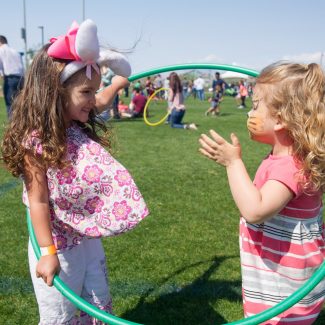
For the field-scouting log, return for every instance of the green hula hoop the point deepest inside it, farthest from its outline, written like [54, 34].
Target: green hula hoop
[83, 305]
[69, 294]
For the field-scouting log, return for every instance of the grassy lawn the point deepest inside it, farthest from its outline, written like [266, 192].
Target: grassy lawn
[181, 264]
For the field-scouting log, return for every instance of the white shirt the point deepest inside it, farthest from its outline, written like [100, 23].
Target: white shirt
[11, 62]
[166, 83]
[199, 83]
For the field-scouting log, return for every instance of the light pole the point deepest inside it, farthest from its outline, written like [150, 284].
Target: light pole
[83, 10]
[24, 35]
[42, 33]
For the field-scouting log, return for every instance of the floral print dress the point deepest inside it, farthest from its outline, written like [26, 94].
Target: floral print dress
[94, 196]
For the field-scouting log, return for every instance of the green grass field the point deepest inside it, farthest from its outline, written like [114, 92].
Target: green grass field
[181, 264]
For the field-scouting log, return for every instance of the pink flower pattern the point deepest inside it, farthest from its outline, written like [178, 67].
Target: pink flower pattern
[123, 177]
[66, 175]
[94, 148]
[92, 174]
[63, 203]
[75, 192]
[94, 204]
[92, 232]
[77, 217]
[121, 210]
[60, 241]
[88, 198]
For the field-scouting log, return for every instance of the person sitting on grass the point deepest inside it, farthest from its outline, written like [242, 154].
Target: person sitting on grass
[123, 109]
[138, 103]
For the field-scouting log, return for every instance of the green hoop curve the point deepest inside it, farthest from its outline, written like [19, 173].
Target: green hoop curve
[194, 66]
[113, 320]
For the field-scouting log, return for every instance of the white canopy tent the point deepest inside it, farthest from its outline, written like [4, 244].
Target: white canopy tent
[233, 75]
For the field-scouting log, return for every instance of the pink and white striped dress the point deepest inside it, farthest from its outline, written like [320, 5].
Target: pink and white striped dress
[281, 254]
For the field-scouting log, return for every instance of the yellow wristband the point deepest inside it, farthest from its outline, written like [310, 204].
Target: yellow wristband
[49, 250]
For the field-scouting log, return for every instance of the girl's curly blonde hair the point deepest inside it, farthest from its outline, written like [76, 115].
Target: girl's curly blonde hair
[39, 108]
[296, 91]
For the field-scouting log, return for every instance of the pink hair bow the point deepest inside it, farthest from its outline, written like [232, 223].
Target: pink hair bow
[63, 47]
[81, 46]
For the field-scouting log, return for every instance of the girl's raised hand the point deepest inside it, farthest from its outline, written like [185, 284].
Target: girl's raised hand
[218, 149]
[120, 82]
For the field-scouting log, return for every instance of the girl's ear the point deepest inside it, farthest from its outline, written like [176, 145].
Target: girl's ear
[280, 125]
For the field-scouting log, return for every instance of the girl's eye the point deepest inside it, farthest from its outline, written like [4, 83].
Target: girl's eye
[86, 92]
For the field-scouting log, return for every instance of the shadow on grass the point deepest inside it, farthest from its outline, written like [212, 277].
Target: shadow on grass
[223, 114]
[12, 285]
[123, 119]
[190, 304]
[6, 187]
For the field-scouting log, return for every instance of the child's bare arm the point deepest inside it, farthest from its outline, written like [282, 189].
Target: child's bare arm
[255, 205]
[105, 97]
[36, 185]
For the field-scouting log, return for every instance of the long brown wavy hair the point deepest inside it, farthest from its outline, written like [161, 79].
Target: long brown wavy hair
[39, 108]
[297, 91]
[175, 83]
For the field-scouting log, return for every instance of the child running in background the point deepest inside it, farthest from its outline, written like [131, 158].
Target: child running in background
[243, 94]
[215, 101]
[281, 226]
[75, 190]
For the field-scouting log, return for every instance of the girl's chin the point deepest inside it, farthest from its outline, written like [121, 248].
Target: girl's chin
[84, 117]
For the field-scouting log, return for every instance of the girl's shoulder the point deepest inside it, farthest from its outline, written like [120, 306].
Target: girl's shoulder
[285, 169]
[280, 163]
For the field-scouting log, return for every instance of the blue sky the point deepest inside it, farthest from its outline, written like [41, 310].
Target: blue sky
[249, 33]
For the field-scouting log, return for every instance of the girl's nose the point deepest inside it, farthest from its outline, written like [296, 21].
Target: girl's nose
[92, 101]
[249, 114]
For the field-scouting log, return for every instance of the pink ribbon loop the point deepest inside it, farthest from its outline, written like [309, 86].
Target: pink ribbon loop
[63, 47]
[88, 69]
